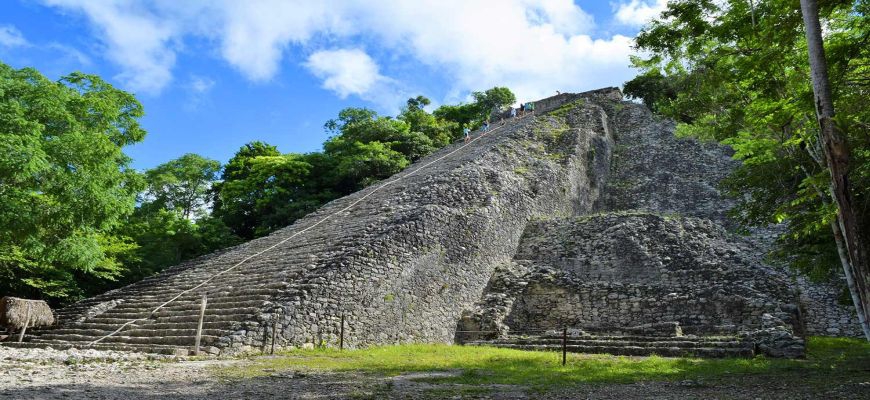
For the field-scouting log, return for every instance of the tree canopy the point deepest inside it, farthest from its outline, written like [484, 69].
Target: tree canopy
[65, 182]
[172, 222]
[182, 185]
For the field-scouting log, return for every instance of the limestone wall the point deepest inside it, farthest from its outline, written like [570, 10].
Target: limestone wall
[654, 171]
[609, 307]
[822, 311]
[617, 270]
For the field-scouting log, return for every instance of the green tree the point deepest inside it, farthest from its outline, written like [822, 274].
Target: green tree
[849, 234]
[172, 223]
[738, 72]
[65, 182]
[494, 99]
[654, 88]
[263, 190]
[366, 147]
[164, 238]
[364, 126]
[472, 115]
[462, 115]
[439, 131]
[239, 166]
[361, 164]
[182, 185]
[236, 208]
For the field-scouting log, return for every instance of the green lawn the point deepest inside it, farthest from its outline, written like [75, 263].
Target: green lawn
[845, 359]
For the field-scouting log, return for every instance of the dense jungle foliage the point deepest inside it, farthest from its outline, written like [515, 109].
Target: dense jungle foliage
[77, 220]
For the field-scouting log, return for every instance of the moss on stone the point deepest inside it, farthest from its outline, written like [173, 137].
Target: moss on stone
[563, 111]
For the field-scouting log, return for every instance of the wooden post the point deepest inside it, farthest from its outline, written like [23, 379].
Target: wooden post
[564, 345]
[199, 327]
[341, 334]
[26, 322]
[274, 332]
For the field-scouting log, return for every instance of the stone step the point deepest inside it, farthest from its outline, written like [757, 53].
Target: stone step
[214, 301]
[149, 349]
[185, 318]
[636, 338]
[228, 317]
[228, 294]
[124, 339]
[169, 289]
[130, 330]
[704, 352]
[217, 304]
[246, 308]
[156, 324]
[162, 313]
[264, 276]
[195, 274]
[168, 292]
[687, 344]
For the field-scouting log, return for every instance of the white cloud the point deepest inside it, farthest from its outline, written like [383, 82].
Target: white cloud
[344, 71]
[198, 88]
[10, 36]
[134, 38]
[565, 17]
[71, 53]
[353, 72]
[254, 36]
[200, 84]
[638, 12]
[535, 47]
[480, 46]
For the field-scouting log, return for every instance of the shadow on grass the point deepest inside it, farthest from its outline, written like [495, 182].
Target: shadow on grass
[847, 358]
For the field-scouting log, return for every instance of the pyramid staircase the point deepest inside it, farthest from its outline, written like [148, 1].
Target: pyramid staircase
[238, 295]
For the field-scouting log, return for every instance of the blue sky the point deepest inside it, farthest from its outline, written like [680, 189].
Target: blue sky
[214, 75]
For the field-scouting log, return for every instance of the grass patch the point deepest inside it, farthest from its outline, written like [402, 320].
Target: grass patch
[563, 111]
[845, 359]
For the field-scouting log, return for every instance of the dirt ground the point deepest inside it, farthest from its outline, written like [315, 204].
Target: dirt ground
[77, 374]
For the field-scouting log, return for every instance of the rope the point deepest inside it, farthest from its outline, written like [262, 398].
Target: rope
[246, 259]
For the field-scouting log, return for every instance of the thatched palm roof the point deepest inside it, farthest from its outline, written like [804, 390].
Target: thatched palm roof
[13, 313]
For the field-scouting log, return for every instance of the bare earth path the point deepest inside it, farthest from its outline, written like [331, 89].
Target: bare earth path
[77, 374]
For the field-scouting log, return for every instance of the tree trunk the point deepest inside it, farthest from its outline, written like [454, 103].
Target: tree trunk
[850, 281]
[837, 157]
[843, 254]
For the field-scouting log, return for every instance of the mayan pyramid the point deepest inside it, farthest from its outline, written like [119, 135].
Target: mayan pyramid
[587, 215]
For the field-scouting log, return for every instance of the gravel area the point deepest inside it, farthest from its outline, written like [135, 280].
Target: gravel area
[92, 374]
